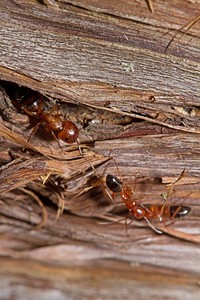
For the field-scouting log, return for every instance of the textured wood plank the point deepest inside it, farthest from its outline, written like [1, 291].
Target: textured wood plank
[64, 51]
[112, 56]
[85, 240]
[98, 279]
[162, 155]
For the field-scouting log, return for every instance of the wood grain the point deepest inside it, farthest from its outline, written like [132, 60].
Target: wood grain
[107, 65]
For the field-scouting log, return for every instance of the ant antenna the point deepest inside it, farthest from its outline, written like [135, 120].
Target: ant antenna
[116, 164]
[94, 170]
[82, 154]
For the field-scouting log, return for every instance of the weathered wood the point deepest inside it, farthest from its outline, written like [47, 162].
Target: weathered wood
[63, 53]
[97, 279]
[84, 253]
[133, 99]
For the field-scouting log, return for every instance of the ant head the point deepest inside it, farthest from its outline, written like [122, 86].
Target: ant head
[69, 133]
[113, 183]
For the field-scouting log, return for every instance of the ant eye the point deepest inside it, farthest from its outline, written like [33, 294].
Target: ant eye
[113, 183]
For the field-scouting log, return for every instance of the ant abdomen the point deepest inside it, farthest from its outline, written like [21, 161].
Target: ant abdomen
[179, 211]
[69, 132]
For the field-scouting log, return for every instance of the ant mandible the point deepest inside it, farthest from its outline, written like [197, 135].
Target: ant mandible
[52, 120]
[160, 212]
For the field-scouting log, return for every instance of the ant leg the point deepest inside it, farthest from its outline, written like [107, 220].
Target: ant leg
[146, 208]
[55, 137]
[170, 188]
[101, 184]
[81, 153]
[41, 104]
[55, 109]
[40, 107]
[112, 222]
[152, 227]
[175, 213]
[33, 132]
[105, 191]
[28, 112]
[132, 219]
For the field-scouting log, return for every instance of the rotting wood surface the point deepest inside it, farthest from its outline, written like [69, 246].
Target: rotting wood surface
[107, 64]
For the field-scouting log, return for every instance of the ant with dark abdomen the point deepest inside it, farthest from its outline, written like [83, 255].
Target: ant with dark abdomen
[138, 211]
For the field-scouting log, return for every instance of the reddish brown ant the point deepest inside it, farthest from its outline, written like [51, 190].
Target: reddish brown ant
[159, 212]
[36, 107]
[61, 129]
[52, 120]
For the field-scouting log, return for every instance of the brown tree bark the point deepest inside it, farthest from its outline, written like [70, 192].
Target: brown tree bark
[129, 79]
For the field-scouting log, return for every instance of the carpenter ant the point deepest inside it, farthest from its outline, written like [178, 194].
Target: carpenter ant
[53, 121]
[138, 211]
